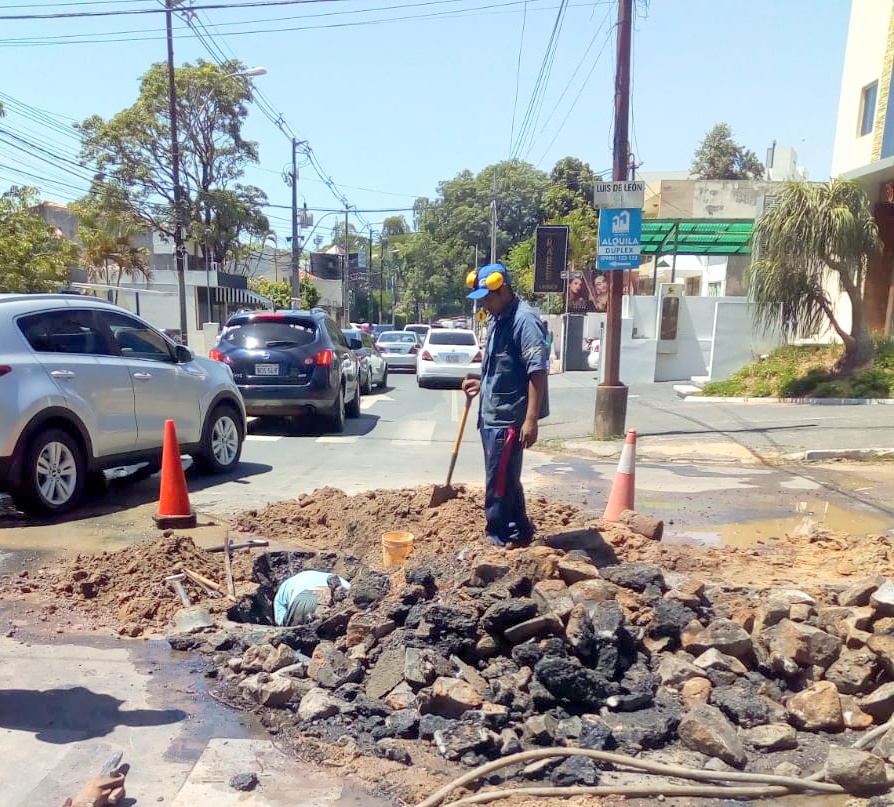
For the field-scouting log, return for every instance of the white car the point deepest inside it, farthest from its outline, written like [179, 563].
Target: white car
[448, 355]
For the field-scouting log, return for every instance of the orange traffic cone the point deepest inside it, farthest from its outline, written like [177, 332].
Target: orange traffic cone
[623, 488]
[174, 511]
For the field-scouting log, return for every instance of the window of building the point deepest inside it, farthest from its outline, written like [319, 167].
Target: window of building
[867, 108]
[693, 286]
[714, 289]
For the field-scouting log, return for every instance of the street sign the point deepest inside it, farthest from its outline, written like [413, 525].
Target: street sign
[550, 257]
[619, 238]
[481, 315]
[619, 194]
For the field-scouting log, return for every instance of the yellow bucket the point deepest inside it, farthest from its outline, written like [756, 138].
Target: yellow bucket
[395, 547]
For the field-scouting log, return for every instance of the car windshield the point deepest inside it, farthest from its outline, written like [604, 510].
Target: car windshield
[417, 328]
[452, 338]
[397, 337]
[255, 335]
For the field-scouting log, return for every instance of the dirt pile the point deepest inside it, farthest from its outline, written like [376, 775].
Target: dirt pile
[567, 643]
[126, 589]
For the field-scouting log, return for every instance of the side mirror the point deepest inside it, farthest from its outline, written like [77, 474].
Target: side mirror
[355, 344]
[183, 354]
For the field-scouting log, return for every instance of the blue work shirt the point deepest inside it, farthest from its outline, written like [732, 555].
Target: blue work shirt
[516, 347]
[297, 584]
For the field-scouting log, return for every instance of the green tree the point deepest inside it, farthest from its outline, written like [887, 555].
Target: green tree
[278, 291]
[395, 226]
[720, 157]
[34, 257]
[814, 234]
[132, 153]
[309, 294]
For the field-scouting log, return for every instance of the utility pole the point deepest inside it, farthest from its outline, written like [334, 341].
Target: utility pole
[296, 255]
[346, 276]
[381, 276]
[493, 222]
[611, 395]
[175, 172]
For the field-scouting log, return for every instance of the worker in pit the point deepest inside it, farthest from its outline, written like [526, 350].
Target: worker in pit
[299, 596]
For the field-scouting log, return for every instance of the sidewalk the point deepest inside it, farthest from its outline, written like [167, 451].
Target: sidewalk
[669, 428]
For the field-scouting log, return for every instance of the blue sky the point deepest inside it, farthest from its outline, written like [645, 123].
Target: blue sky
[393, 106]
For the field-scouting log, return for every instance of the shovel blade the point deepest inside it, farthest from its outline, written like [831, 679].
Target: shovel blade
[441, 494]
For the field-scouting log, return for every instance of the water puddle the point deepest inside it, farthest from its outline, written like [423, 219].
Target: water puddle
[753, 532]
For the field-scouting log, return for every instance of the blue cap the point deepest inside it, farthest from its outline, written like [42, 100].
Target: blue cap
[481, 290]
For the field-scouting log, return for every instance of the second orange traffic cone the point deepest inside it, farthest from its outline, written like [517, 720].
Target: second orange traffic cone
[174, 510]
[624, 486]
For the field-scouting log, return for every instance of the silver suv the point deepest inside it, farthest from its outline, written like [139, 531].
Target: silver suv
[86, 386]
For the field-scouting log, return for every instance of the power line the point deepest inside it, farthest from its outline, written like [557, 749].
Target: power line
[521, 45]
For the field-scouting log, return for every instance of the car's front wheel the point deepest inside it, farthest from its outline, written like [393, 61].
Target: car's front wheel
[54, 473]
[384, 384]
[352, 410]
[337, 419]
[222, 440]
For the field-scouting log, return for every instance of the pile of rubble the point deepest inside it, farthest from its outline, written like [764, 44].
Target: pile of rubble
[489, 652]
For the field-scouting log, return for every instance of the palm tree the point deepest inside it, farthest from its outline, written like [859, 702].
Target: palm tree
[815, 232]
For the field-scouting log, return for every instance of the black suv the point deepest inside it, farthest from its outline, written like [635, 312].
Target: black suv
[291, 363]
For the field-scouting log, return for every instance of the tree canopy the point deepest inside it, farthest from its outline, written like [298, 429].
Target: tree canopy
[720, 157]
[813, 237]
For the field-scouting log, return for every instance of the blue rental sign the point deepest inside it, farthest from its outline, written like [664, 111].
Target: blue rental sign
[619, 238]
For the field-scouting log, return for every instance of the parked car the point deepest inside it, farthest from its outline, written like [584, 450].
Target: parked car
[373, 367]
[419, 329]
[399, 349]
[448, 355]
[293, 363]
[86, 386]
[377, 330]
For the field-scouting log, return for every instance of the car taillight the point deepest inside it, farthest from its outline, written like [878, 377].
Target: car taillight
[479, 357]
[426, 356]
[321, 359]
[218, 356]
[4, 369]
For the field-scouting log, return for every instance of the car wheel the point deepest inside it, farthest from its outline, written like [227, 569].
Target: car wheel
[384, 382]
[368, 382]
[352, 410]
[422, 384]
[338, 413]
[222, 440]
[54, 473]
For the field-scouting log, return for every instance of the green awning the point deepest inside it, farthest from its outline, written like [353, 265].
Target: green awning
[697, 236]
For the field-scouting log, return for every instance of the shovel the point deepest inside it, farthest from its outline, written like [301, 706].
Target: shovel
[444, 493]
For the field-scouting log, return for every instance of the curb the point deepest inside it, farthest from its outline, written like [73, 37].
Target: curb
[823, 454]
[794, 401]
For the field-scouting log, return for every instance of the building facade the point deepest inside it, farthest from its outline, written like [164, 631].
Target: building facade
[864, 137]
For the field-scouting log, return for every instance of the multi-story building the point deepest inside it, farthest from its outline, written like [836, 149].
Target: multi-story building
[864, 137]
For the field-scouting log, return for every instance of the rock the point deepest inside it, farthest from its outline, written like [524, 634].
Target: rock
[569, 729]
[788, 769]
[805, 645]
[244, 782]
[509, 743]
[646, 728]
[695, 691]
[857, 639]
[879, 703]
[713, 659]
[536, 562]
[570, 682]
[369, 587]
[858, 772]
[854, 717]
[574, 569]
[282, 656]
[363, 628]
[595, 734]
[674, 671]
[772, 737]
[884, 748]
[451, 697]
[317, 705]
[452, 629]
[706, 730]
[541, 729]
[545, 625]
[882, 599]
[469, 674]
[816, 708]
[801, 612]
[637, 576]
[853, 671]
[552, 596]
[403, 723]
[458, 739]
[401, 697]
[422, 576]
[387, 673]
[489, 569]
[647, 526]
[268, 690]
[487, 647]
[505, 614]
[575, 771]
[430, 723]
[254, 659]
[689, 592]
[390, 749]
[721, 634]
[669, 618]
[590, 591]
[422, 666]
[331, 668]
[493, 716]
[860, 592]
[882, 645]
[741, 704]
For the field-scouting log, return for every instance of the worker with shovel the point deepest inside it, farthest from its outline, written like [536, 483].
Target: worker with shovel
[514, 396]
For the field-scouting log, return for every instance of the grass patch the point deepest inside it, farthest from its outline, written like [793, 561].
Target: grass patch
[806, 372]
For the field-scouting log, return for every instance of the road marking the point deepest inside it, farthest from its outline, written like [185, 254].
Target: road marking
[336, 438]
[412, 432]
[263, 438]
[371, 401]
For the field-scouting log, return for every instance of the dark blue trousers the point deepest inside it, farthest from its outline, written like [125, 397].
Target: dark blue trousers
[504, 498]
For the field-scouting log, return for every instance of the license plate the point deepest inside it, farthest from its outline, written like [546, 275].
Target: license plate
[453, 358]
[266, 369]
